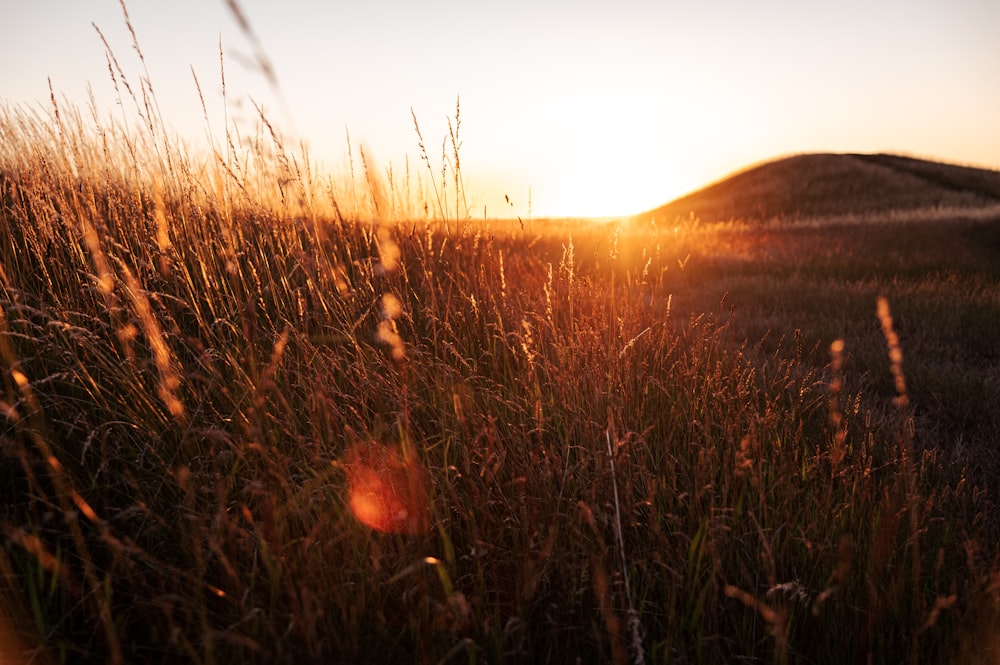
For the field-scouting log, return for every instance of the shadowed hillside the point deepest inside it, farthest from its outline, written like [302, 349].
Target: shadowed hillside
[833, 185]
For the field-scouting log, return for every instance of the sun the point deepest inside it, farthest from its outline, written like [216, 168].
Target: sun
[593, 151]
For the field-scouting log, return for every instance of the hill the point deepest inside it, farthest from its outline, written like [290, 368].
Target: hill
[827, 185]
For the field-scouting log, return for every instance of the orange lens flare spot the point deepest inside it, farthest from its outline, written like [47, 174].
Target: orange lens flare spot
[387, 493]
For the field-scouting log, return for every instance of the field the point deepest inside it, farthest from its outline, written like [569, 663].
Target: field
[657, 440]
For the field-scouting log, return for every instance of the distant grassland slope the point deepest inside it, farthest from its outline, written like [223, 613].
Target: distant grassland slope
[815, 186]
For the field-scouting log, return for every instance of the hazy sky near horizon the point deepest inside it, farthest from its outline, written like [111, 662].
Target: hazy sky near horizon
[599, 108]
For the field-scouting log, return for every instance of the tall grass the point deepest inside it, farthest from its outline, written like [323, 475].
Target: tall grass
[198, 355]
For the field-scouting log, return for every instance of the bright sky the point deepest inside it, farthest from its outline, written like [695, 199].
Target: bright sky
[599, 108]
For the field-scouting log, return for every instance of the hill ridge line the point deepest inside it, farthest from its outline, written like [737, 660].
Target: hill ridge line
[812, 186]
[897, 163]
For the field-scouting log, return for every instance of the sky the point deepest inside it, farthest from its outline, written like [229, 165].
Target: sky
[567, 108]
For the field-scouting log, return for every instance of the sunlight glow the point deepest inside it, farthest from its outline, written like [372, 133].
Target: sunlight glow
[604, 144]
[387, 493]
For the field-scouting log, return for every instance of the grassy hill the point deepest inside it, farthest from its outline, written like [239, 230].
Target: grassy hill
[816, 186]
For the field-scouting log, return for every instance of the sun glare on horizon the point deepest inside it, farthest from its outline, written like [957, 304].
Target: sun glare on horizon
[599, 143]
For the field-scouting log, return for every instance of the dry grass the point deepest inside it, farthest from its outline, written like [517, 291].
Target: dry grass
[584, 454]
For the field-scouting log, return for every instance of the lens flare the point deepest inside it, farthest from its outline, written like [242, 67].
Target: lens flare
[387, 493]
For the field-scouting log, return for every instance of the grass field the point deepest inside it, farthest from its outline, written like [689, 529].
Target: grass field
[651, 441]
